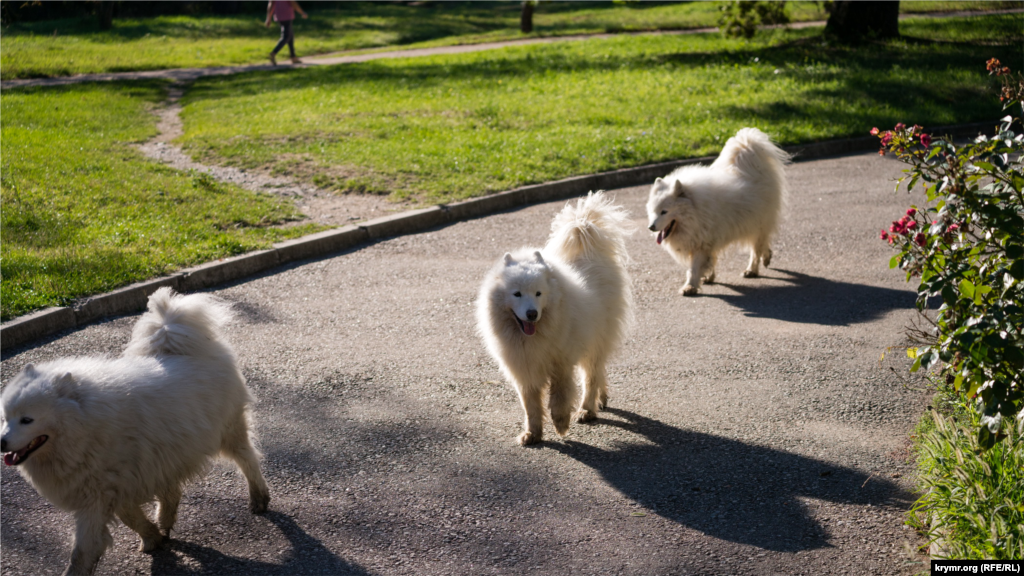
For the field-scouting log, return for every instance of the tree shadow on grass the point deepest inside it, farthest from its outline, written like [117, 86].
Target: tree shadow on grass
[307, 556]
[809, 299]
[728, 489]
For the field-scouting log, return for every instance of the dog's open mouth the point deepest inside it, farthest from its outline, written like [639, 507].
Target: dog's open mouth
[668, 230]
[18, 456]
[528, 328]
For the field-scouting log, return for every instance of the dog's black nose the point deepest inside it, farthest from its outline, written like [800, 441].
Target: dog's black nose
[651, 228]
[3, 445]
[531, 315]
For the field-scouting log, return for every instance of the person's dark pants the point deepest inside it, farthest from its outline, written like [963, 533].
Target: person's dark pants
[287, 37]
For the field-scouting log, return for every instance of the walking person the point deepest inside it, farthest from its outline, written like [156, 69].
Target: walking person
[284, 12]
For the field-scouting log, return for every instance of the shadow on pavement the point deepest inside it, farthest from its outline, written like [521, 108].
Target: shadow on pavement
[727, 489]
[812, 300]
[307, 556]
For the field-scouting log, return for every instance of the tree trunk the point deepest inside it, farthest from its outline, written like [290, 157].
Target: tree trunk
[106, 15]
[852, 21]
[526, 18]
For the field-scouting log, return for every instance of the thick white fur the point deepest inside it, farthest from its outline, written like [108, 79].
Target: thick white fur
[125, 431]
[705, 208]
[582, 313]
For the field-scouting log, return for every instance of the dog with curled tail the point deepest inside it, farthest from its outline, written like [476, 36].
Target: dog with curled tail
[546, 315]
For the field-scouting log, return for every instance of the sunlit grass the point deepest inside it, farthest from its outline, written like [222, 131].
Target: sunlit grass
[442, 128]
[75, 46]
[84, 212]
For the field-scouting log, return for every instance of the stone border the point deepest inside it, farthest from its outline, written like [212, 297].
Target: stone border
[133, 298]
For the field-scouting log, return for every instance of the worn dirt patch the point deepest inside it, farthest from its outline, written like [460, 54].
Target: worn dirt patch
[318, 205]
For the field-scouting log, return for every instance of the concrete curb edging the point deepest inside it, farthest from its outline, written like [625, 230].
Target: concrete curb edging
[133, 298]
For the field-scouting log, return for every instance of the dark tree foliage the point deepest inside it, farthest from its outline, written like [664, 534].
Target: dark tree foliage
[742, 17]
[526, 18]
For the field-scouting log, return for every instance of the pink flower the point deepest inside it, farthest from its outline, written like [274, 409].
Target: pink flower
[953, 228]
[919, 239]
[917, 128]
[874, 131]
[911, 225]
[911, 212]
[926, 140]
[886, 138]
[896, 228]
[884, 235]
[900, 126]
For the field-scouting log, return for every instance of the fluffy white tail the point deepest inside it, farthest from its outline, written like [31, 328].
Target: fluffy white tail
[180, 325]
[753, 153]
[593, 226]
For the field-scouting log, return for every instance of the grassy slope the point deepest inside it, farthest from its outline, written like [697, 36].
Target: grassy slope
[83, 212]
[437, 129]
[75, 46]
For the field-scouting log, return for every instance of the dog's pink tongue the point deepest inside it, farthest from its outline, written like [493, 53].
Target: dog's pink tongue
[660, 236]
[529, 328]
[11, 458]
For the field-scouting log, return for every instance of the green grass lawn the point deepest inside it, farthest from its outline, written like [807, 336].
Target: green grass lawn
[443, 128]
[75, 46]
[84, 212]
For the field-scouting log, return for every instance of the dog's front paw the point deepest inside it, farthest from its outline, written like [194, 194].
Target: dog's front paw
[689, 290]
[151, 544]
[528, 438]
[709, 279]
[766, 259]
[586, 416]
[750, 274]
[602, 401]
[258, 503]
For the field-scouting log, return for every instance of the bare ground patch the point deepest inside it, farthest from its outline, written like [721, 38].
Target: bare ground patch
[317, 204]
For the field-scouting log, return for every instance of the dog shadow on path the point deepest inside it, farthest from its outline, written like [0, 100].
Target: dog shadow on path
[307, 556]
[727, 489]
[811, 300]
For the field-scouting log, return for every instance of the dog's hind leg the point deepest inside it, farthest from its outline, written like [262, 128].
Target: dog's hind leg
[167, 511]
[237, 446]
[92, 538]
[134, 518]
[708, 275]
[530, 398]
[563, 399]
[595, 396]
[759, 252]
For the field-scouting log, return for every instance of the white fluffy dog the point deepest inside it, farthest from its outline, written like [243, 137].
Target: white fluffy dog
[699, 210]
[542, 313]
[100, 437]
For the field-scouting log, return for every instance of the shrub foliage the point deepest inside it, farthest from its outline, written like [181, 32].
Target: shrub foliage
[967, 248]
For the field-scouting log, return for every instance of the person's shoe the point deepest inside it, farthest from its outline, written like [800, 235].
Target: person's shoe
[273, 59]
[296, 60]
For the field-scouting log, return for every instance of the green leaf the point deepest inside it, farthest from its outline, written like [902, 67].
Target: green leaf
[894, 261]
[967, 288]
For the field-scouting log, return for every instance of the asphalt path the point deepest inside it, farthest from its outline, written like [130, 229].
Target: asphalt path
[751, 430]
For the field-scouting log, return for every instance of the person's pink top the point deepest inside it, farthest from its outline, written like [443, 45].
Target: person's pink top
[283, 11]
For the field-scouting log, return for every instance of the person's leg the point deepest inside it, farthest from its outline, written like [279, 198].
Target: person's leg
[291, 39]
[286, 37]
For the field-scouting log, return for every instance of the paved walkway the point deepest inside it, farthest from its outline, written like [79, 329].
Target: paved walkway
[186, 75]
[752, 430]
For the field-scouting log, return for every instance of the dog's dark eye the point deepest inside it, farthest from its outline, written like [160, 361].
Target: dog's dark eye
[26, 420]
[663, 212]
[538, 293]
[517, 294]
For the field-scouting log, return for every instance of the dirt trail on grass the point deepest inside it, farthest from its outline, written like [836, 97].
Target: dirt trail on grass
[321, 206]
[186, 75]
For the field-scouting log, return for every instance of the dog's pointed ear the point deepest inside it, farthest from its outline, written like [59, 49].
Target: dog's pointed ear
[508, 259]
[679, 190]
[66, 386]
[538, 257]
